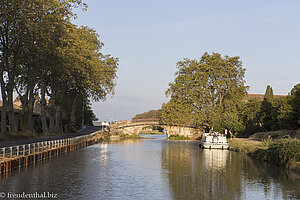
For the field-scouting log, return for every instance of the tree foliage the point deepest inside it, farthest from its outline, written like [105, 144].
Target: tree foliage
[204, 89]
[152, 114]
[208, 93]
[43, 54]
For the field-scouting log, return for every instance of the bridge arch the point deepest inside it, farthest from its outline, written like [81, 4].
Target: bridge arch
[134, 127]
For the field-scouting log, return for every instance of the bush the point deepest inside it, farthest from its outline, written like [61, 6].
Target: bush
[178, 137]
[284, 151]
[129, 136]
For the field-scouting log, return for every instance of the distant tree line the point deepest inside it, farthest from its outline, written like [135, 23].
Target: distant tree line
[272, 113]
[152, 114]
[50, 61]
[208, 94]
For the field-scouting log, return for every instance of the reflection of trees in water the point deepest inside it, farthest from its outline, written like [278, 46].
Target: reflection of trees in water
[287, 182]
[200, 174]
[215, 174]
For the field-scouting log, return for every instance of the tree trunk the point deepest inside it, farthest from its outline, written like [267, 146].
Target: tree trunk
[52, 116]
[30, 110]
[73, 113]
[11, 113]
[43, 110]
[24, 101]
[64, 121]
[3, 116]
[4, 104]
[58, 124]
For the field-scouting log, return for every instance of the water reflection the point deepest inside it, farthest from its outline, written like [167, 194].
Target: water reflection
[214, 158]
[215, 174]
[154, 169]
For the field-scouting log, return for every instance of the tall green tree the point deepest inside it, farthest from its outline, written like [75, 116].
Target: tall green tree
[285, 113]
[87, 72]
[295, 104]
[268, 111]
[11, 46]
[206, 88]
[269, 96]
[42, 52]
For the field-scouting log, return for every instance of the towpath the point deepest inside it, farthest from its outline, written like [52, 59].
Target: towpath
[87, 130]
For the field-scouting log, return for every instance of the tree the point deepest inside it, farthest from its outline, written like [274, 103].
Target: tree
[11, 40]
[87, 72]
[177, 113]
[204, 89]
[285, 113]
[89, 116]
[250, 112]
[43, 54]
[269, 96]
[295, 104]
[268, 111]
[152, 114]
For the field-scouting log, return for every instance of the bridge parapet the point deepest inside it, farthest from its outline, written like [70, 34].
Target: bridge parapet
[136, 122]
[135, 126]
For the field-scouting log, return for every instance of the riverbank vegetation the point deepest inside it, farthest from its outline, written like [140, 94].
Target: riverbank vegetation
[127, 136]
[283, 152]
[151, 133]
[54, 66]
[17, 136]
[178, 137]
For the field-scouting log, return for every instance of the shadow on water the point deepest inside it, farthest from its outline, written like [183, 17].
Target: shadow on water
[195, 173]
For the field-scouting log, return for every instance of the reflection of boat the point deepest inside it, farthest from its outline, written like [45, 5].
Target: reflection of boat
[214, 158]
[214, 140]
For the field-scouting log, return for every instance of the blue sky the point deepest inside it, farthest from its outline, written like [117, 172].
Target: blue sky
[150, 37]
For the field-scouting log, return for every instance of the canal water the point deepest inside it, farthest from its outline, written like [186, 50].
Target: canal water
[153, 169]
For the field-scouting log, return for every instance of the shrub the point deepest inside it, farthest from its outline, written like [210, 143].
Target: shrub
[268, 141]
[284, 150]
[178, 137]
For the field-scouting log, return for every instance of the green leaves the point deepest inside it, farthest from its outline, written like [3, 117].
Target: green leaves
[39, 46]
[204, 89]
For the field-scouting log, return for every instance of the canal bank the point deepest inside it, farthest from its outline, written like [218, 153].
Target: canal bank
[284, 152]
[15, 157]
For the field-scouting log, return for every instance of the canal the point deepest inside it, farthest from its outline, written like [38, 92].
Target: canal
[153, 169]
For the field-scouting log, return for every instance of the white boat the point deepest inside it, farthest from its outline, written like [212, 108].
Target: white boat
[214, 140]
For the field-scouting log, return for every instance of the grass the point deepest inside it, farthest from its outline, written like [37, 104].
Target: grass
[127, 136]
[245, 146]
[152, 133]
[178, 137]
[16, 136]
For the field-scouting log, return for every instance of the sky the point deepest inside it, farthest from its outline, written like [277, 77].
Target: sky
[150, 37]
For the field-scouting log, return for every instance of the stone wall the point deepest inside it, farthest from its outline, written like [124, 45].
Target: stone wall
[131, 130]
[184, 131]
[171, 130]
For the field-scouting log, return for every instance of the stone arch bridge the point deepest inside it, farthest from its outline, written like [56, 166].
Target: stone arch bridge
[134, 127]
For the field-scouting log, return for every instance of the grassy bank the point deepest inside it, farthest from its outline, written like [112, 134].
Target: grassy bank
[178, 137]
[127, 136]
[17, 136]
[246, 146]
[283, 152]
[151, 133]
